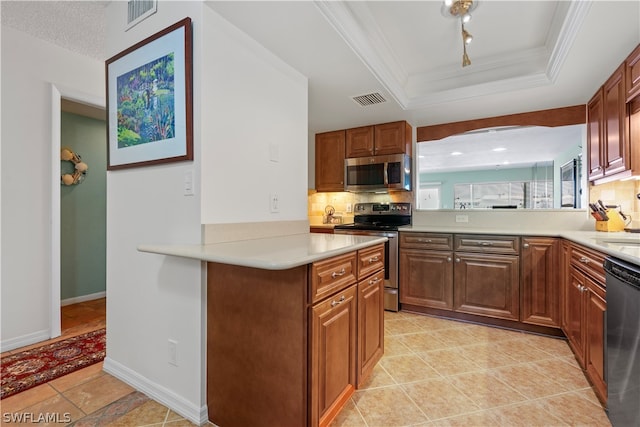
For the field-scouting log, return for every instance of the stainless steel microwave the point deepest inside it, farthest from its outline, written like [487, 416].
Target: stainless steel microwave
[378, 173]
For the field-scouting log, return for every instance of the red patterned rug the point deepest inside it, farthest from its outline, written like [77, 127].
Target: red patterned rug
[26, 369]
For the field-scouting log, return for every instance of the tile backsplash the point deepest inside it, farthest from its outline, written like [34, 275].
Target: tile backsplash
[342, 201]
[621, 193]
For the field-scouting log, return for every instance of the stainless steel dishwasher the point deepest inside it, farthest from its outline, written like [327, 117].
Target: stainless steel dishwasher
[623, 342]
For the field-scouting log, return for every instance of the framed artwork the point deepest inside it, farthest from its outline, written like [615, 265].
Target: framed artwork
[149, 100]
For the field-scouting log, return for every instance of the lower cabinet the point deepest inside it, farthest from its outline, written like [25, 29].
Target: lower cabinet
[471, 274]
[583, 312]
[333, 354]
[487, 285]
[370, 325]
[540, 279]
[426, 278]
[289, 347]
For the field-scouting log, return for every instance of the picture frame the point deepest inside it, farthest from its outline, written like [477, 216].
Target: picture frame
[150, 101]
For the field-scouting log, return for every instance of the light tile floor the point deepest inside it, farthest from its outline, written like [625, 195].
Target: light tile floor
[435, 372]
[438, 372]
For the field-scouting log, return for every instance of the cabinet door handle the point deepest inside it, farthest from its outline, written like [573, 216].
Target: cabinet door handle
[584, 260]
[526, 245]
[448, 259]
[340, 273]
[485, 243]
[457, 259]
[373, 259]
[425, 240]
[340, 301]
[374, 281]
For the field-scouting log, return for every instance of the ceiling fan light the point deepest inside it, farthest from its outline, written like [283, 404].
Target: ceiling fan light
[466, 18]
[466, 37]
[465, 59]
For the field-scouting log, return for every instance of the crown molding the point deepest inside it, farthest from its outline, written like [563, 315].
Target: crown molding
[520, 70]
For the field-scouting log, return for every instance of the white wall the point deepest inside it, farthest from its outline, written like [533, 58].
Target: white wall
[244, 100]
[253, 103]
[29, 67]
[150, 298]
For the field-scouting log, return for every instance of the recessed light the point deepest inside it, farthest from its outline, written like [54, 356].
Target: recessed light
[456, 153]
[499, 149]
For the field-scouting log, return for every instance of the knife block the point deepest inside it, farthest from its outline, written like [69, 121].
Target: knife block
[614, 223]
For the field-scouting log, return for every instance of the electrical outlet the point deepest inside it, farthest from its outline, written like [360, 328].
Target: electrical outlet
[349, 208]
[462, 218]
[274, 203]
[173, 352]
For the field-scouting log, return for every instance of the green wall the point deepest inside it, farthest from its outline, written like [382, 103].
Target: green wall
[83, 209]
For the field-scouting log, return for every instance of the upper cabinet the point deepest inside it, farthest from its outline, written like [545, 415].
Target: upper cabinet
[632, 83]
[611, 119]
[595, 137]
[375, 140]
[381, 139]
[616, 148]
[330, 161]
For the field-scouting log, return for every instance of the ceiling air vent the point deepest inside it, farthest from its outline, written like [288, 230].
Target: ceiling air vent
[369, 99]
[138, 10]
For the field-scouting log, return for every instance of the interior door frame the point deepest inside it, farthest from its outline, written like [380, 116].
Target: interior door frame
[57, 93]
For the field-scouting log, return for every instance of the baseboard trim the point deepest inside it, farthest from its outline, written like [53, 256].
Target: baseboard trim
[83, 298]
[17, 342]
[197, 415]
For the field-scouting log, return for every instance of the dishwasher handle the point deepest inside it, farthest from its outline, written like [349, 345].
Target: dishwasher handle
[622, 270]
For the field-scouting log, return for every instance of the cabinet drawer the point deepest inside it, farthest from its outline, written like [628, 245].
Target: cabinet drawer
[370, 260]
[590, 262]
[432, 241]
[332, 275]
[509, 245]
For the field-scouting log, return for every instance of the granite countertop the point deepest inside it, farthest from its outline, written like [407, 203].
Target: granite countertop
[273, 253]
[618, 244]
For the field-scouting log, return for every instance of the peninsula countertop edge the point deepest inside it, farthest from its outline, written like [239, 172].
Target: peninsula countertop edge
[270, 253]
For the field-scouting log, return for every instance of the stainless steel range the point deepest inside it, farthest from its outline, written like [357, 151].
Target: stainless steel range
[382, 219]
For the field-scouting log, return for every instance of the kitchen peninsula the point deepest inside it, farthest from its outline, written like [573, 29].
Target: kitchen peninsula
[294, 324]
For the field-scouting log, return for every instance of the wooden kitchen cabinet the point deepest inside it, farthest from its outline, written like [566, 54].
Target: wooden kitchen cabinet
[380, 139]
[289, 347]
[584, 313]
[487, 285]
[540, 293]
[632, 83]
[595, 333]
[333, 354]
[595, 136]
[616, 146]
[360, 142]
[486, 278]
[330, 155]
[426, 270]
[370, 324]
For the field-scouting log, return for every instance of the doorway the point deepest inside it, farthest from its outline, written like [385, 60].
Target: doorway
[80, 107]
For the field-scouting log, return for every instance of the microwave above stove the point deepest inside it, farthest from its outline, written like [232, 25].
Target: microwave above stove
[378, 173]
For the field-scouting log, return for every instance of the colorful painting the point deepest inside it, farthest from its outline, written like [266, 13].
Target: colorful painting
[146, 110]
[150, 101]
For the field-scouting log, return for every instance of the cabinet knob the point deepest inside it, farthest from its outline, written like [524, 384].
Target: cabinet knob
[374, 281]
[339, 301]
[457, 259]
[526, 245]
[339, 273]
[448, 259]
